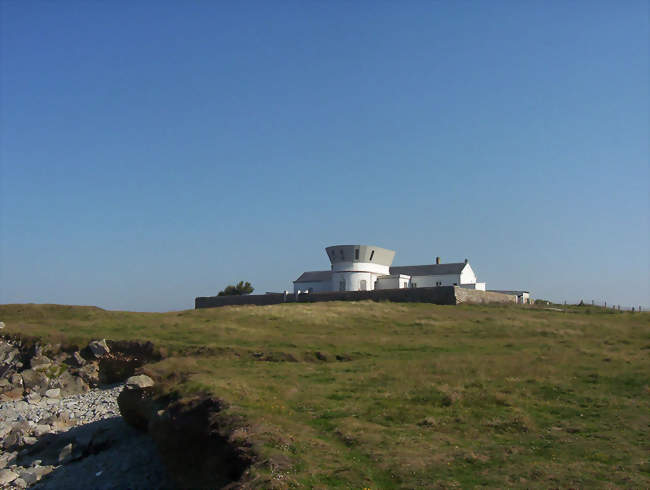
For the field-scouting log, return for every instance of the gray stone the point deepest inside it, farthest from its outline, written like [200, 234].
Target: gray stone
[20, 483]
[79, 361]
[99, 348]
[65, 454]
[90, 373]
[70, 385]
[35, 381]
[16, 379]
[30, 475]
[33, 398]
[6, 457]
[40, 362]
[139, 382]
[7, 476]
[53, 393]
[42, 429]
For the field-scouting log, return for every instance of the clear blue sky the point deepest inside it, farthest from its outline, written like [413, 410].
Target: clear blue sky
[157, 151]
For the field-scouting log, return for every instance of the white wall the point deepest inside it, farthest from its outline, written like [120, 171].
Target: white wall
[430, 281]
[393, 282]
[353, 280]
[467, 275]
[361, 266]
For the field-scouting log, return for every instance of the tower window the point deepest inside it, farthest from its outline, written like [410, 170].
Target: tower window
[356, 254]
[372, 254]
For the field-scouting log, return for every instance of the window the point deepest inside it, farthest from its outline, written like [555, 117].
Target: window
[341, 285]
[372, 254]
[455, 284]
[341, 252]
[415, 284]
[356, 254]
[406, 284]
[438, 283]
[362, 284]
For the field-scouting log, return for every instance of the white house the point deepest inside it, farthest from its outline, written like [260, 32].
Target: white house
[366, 267]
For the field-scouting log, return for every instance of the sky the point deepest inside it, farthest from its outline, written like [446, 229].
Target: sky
[152, 151]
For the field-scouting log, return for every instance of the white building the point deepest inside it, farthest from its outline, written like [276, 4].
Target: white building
[365, 267]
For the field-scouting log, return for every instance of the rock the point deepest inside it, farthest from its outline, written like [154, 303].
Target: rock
[90, 373]
[7, 476]
[135, 406]
[16, 436]
[30, 476]
[5, 458]
[99, 348]
[57, 422]
[77, 359]
[42, 429]
[35, 381]
[9, 354]
[16, 379]
[65, 454]
[33, 398]
[4, 430]
[70, 385]
[15, 393]
[139, 382]
[40, 362]
[20, 483]
[53, 393]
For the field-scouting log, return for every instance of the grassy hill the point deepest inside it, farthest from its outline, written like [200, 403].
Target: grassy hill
[384, 395]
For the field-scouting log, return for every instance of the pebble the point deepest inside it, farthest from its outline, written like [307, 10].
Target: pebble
[74, 407]
[43, 415]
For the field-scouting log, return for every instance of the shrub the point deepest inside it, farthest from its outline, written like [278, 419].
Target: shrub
[237, 290]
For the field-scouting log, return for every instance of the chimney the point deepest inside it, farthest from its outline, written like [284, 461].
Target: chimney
[437, 260]
[466, 261]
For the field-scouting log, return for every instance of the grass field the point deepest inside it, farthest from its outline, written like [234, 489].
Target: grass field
[383, 395]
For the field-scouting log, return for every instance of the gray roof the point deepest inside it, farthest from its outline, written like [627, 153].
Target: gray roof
[428, 270]
[315, 276]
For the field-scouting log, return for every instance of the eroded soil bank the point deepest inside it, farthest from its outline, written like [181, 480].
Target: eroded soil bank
[61, 424]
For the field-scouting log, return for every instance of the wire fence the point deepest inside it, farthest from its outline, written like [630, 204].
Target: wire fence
[605, 304]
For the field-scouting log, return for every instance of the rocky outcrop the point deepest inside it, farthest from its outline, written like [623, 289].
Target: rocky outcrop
[99, 348]
[28, 368]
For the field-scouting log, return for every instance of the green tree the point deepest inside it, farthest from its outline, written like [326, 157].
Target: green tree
[239, 289]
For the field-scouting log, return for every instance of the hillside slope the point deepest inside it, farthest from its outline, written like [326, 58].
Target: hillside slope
[383, 395]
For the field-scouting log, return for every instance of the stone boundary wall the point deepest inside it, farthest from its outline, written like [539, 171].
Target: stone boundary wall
[473, 296]
[441, 295]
